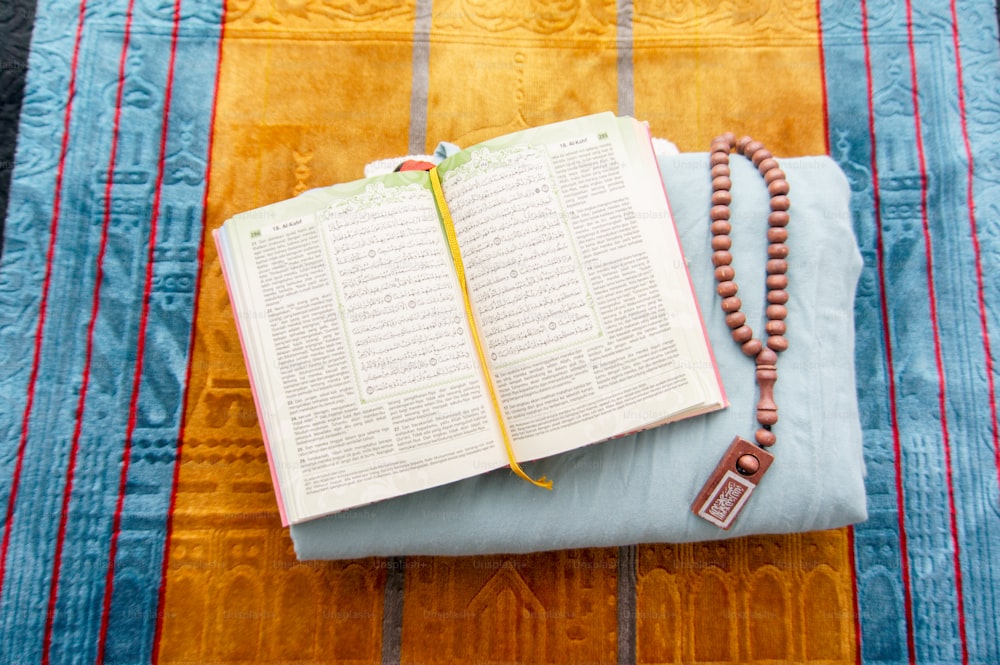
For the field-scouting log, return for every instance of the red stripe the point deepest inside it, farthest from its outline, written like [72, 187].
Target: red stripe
[141, 337]
[904, 559]
[88, 356]
[854, 594]
[938, 360]
[43, 305]
[822, 76]
[974, 233]
[161, 603]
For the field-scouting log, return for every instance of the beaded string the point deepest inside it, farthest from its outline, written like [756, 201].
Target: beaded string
[765, 352]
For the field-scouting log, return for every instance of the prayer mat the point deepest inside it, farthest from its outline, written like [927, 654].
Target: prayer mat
[139, 523]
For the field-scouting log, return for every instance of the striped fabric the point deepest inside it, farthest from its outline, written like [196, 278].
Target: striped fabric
[139, 524]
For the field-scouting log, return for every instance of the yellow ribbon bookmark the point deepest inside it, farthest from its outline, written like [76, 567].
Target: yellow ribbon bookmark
[456, 255]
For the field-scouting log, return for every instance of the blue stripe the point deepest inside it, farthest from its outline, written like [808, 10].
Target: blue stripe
[931, 550]
[85, 556]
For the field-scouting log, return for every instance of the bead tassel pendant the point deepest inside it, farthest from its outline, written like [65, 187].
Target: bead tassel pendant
[742, 466]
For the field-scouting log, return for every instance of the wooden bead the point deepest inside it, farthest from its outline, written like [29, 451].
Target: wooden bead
[721, 242]
[741, 144]
[777, 297]
[722, 273]
[750, 148]
[776, 250]
[735, 319]
[729, 138]
[760, 155]
[722, 183]
[772, 173]
[719, 212]
[721, 258]
[718, 156]
[752, 348]
[765, 437]
[721, 198]
[720, 170]
[779, 203]
[742, 334]
[766, 166]
[777, 281]
[766, 357]
[777, 343]
[776, 233]
[778, 218]
[720, 143]
[721, 227]
[731, 304]
[727, 289]
[777, 266]
[776, 313]
[777, 187]
[747, 464]
[775, 327]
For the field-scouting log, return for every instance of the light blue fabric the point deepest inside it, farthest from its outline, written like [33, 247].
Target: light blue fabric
[639, 488]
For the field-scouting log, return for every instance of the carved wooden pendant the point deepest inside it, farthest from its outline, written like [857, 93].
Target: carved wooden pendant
[734, 479]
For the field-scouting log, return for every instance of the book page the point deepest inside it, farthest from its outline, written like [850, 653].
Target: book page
[578, 283]
[368, 384]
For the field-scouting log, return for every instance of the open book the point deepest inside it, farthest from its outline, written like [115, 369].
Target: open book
[527, 297]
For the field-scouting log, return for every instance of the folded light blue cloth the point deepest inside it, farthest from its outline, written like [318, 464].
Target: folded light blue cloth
[639, 488]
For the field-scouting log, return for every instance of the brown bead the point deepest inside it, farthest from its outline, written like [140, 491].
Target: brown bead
[747, 464]
[721, 198]
[778, 218]
[727, 289]
[765, 437]
[777, 266]
[719, 212]
[735, 319]
[731, 304]
[760, 156]
[766, 357]
[777, 297]
[777, 250]
[777, 281]
[766, 166]
[750, 148]
[775, 327]
[718, 156]
[720, 170]
[780, 203]
[776, 233]
[729, 138]
[721, 227]
[721, 242]
[721, 258]
[777, 343]
[776, 313]
[742, 334]
[742, 143]
[771, 173]
[722, 183]
[752, 348]
[777, 187]
[723, 273]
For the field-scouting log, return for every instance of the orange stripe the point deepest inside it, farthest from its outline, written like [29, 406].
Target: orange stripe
[232, 587]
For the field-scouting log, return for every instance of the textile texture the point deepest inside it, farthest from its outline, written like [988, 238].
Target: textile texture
[139, 524]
